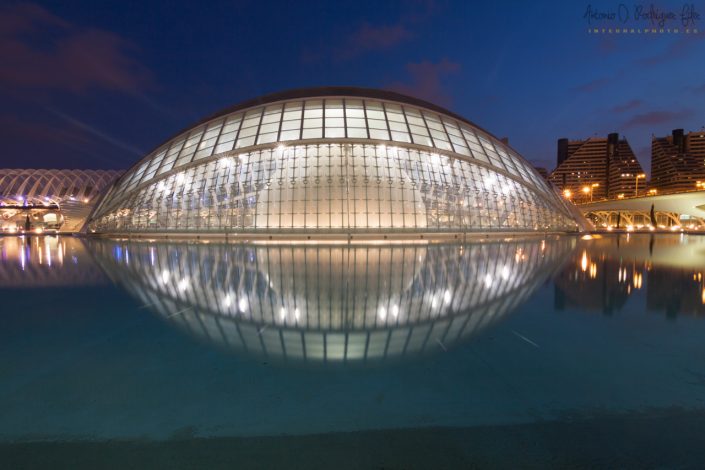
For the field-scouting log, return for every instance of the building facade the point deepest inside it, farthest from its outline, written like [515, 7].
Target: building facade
[678, 162]
[49, 199]
[597, 168]
[332, 161]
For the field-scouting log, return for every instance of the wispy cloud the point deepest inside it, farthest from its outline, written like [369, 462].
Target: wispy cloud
[96, 132]
[593, 85]
[628, 106]
[427, 80]
[77, 59]
[676, 49]
[653, 118]
[368, 38]
[376, 38]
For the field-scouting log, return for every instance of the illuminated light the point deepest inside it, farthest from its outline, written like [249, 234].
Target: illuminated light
[505, 273]
[282, 313]
[226, 162]
[630, 228]
[165, 276]
[567, 193]
[297, 314]
[382, 313]
[609, 228]
[434, 302]
[447, 297]
[586, 237]
[488, 281]
[586, 189]
[38, 230]
[637, 280]
[242, 304]
[183, 284]
[703, 296]
[675, 227]
[593, 270]
[584, 262]
[227, 301]
[395, 310]
[620, 196]
[85, 200]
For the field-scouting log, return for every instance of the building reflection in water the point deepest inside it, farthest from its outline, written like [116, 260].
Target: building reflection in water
[605, 272]
[332, 303]
[46, 261]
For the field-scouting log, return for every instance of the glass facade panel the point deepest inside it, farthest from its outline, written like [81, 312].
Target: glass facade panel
[419, 170]
[332, 188]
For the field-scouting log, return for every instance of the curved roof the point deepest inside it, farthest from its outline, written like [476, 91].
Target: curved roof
[19, 185]
[323, 114]
[331, 91]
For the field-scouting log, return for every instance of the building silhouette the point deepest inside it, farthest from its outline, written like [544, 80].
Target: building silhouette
[678, 161]
[597, 168]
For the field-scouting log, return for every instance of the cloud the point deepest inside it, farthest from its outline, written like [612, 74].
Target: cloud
[628, 106]
[676, 49]
[375, 38]
[96, 132]
[368, 38]
[426, 80]
[43, 51]
[653, 118]
[699, 89]
[593, 85]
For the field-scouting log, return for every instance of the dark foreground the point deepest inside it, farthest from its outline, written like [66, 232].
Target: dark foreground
[657, 439]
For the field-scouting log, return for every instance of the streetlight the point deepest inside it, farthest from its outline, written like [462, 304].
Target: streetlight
[588, 189]
[700, 185]
[567, 193]
[636, 185]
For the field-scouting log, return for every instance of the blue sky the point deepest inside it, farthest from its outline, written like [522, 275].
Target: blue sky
[98, 84]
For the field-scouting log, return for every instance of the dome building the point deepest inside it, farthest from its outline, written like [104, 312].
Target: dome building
[332, 161]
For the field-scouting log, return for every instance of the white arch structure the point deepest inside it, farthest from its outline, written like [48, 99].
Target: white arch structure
[70, 193]
[671, 210]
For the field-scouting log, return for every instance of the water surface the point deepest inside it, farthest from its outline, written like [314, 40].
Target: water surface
[548, 351]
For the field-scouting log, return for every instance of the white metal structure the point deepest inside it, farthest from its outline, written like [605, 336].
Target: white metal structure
[332, 160]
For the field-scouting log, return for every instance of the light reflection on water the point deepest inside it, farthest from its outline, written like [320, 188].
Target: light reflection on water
[333, 303]
[603, 273]
[487, 333]
[45, 261]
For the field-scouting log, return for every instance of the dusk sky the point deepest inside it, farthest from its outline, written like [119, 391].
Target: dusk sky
[99, 84]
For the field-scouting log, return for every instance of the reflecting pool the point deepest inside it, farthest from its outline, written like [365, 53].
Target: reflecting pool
[544, 351]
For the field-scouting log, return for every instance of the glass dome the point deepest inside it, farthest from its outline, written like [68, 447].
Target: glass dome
[332, 160]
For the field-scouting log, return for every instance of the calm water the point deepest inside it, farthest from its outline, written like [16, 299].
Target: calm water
[543, 352]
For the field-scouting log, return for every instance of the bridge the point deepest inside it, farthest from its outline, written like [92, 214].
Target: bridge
[670, 211]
